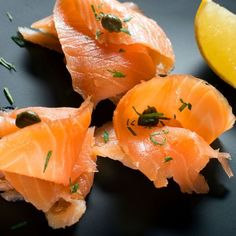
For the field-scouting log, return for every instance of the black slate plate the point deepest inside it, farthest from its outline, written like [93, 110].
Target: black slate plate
[122, 201]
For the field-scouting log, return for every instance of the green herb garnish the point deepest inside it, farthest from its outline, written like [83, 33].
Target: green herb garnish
[132, 122]
[131, 131]
[184, 105]
[168, 158]
[19, 225]
[117, 74]
[9, 16]
[98, 34]
[95, 13]
[152, 138]
[8, 96]
[128, 123]
[6, 64]
[19, 40]
[150, 117]
[165, 131]
[27, 118]
[73, 187]
[105, 136]
[125, 30]
[49, 154]
[127, 19]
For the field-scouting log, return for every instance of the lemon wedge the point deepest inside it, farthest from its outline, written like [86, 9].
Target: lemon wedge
[215, 32]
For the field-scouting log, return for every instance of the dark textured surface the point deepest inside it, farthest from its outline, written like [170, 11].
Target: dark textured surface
[122, 201]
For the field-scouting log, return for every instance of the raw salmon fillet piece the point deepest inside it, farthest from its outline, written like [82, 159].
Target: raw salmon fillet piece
[206, 111]
[43, 32]
[109, 65]
[58, 185]
[183, 116]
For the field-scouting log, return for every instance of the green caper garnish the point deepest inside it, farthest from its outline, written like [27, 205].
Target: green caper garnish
[27, 118]
[150, 117]
[111, 23]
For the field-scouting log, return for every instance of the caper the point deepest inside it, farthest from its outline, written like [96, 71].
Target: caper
[111, 23]
[27, 118]
[150, 117]
[149, 110]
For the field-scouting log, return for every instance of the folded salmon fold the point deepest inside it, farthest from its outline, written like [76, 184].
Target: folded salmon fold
[104, 64]
[50, 163]
[163, 128]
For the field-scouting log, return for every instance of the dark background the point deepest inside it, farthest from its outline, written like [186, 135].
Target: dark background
[122, 201]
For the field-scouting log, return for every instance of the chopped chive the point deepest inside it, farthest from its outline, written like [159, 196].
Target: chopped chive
[99, 16]
[154, 141]
[49, 154]
[168, 158]
[19, 225]
[95, 13]
[73, 187]
[105, 136]
[128, 123]
[165, 131]
[19, 40]
[131, 131]
[162, 123]
[8, 96]
[98, 34]
[117, 74]
[132, 122]
[9, 16]
[93, 9]
[184, 105]
[127, 19]
[125, 30]
[156, 133]
[136, 111]
[121, 50]
[6, 64]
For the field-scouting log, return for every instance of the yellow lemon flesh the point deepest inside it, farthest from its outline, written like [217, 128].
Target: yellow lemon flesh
[215, 31]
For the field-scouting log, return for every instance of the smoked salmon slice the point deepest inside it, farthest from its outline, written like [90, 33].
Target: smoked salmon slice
[163, 127]
[57, 183]
[7, 119]
[43, 33]
[187, 101]
[106, 64]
